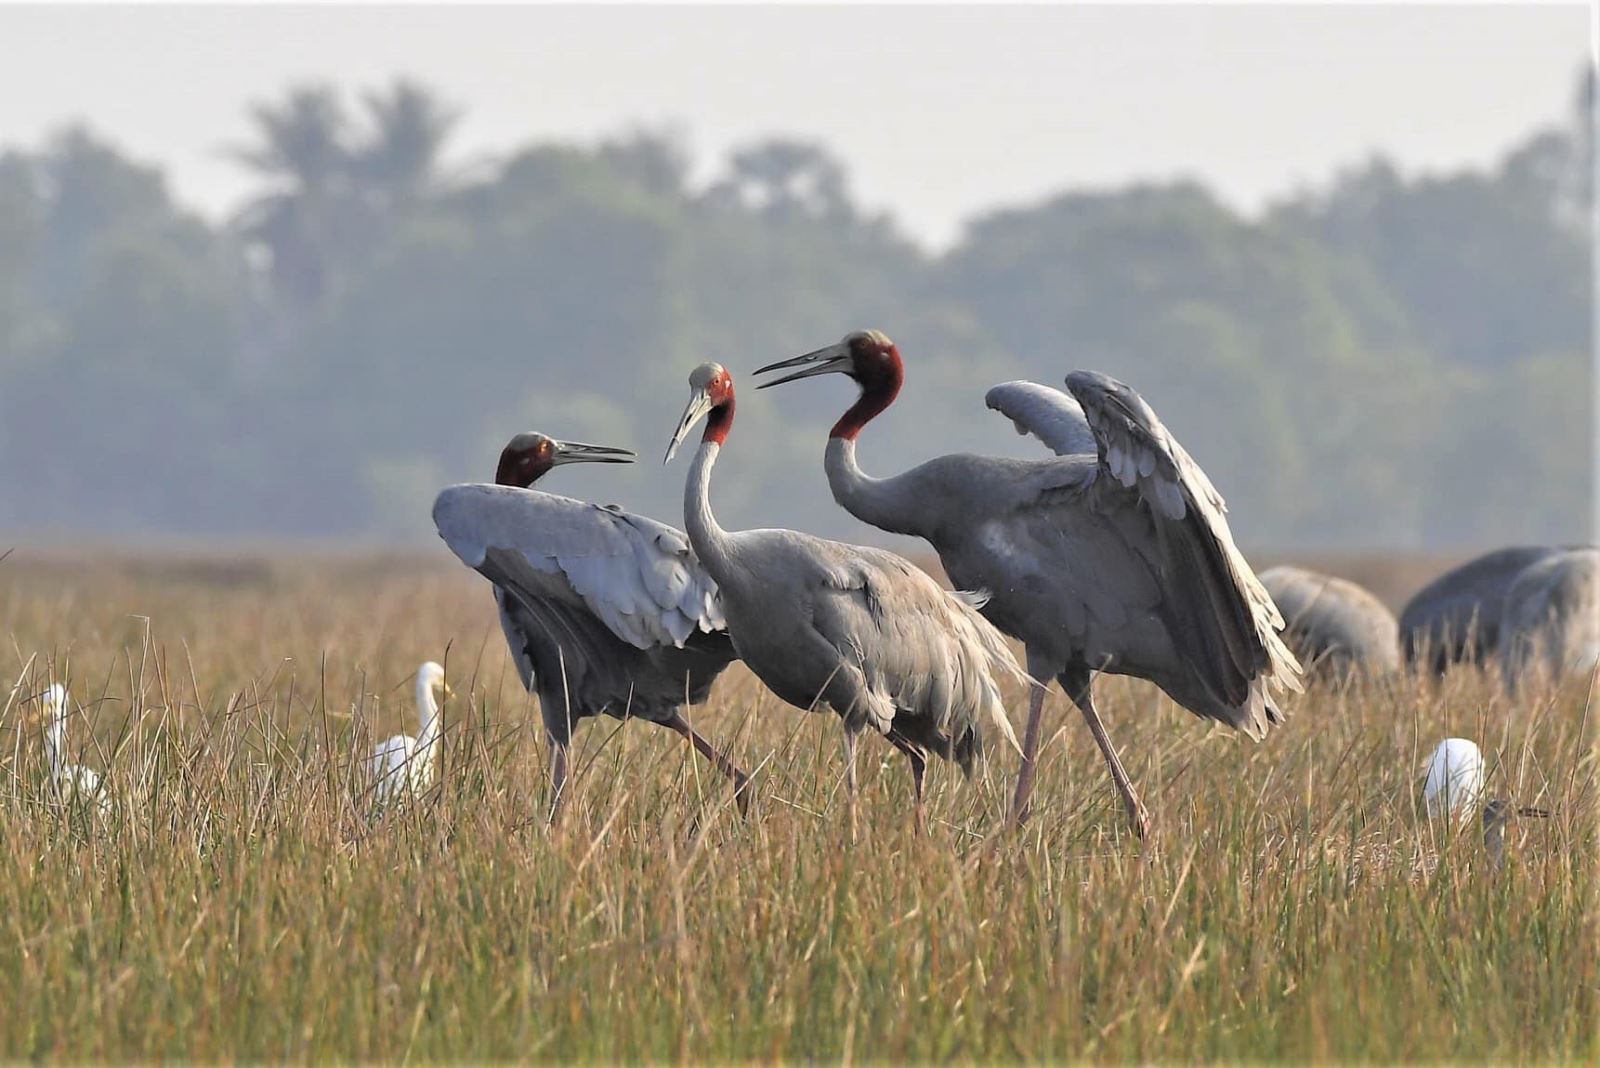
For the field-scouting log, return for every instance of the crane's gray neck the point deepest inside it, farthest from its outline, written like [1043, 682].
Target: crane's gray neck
[710, 541]
[881, 502]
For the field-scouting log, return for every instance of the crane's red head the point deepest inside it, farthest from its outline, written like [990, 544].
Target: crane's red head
[869, 357]
[711, 398]
[529, 456]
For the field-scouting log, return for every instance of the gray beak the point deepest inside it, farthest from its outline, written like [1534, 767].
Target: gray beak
[699, 407]
[576, 452]
[835, 359]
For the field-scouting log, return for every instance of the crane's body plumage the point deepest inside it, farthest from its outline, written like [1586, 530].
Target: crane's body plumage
[1456, 617]
[1332, 623]
[863, 632]
[1550, 626]
[1113, 556]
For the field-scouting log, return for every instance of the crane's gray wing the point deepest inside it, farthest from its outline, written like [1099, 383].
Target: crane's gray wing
[1048, 414]
[637, 576]
[1230, 620]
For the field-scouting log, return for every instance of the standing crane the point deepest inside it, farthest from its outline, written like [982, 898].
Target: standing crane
[606, 612]
[1115, 556]
[859, 630]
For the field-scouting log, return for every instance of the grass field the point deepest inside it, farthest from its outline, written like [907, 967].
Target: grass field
[1294, 903]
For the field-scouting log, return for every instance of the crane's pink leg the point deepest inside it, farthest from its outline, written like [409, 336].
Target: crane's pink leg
[558, 776]
[717, 758]
[1077, 685]
[919, 767]
[1022, 803]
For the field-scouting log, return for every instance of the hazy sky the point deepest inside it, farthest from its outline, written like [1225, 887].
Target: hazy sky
[940, 112]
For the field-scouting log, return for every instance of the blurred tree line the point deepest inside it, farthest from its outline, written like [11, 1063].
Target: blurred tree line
[1389, 361]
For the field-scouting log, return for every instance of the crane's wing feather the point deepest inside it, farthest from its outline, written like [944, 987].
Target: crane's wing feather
[1231, 620]
[919, 647]
[637, 576]
[1048, 414]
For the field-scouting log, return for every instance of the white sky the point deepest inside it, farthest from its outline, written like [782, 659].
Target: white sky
[939, 112]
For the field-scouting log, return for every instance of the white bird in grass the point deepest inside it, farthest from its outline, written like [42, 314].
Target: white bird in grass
[403, 766]
[1455, 778]
[1454, 787]
[76, 786]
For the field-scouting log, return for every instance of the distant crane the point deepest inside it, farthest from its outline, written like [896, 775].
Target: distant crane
[402, 767]
[1550, 625]
[1334, 626]
[1113, 557]
[859, 630]
[606, 612]
[76, 787]
[1456, 617]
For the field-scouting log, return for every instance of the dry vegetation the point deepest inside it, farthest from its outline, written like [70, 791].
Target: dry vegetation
[241, 905]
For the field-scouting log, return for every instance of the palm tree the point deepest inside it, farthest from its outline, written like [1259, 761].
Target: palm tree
[407, 129]
[302, 149]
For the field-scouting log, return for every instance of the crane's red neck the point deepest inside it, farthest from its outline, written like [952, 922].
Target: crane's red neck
[881, 373]
[720, 419]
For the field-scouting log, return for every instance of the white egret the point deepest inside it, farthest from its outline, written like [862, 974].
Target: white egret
[75, 786]
[1455, 778]
[403, 766]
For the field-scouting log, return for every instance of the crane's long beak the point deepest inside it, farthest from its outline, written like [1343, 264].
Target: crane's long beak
[699, 407]
[835, 359]
[576, 452]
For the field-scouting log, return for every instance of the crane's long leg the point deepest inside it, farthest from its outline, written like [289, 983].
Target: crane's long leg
[558, 775]
[717, 757]
[919, 767]
[1077, 682]
[1022, 802]
[850, 735]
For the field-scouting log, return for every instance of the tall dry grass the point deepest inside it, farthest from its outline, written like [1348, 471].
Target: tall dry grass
[242, 903]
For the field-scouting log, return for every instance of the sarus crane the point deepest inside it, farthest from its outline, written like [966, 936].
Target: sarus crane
[861, 631]
[606, 612]
[1456, 617]
[1337, 628]
[1115, 556]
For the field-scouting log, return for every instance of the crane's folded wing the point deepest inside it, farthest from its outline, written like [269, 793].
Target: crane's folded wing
[638, 576]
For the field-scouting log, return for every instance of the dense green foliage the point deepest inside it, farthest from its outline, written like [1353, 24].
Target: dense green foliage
[1388, 361]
